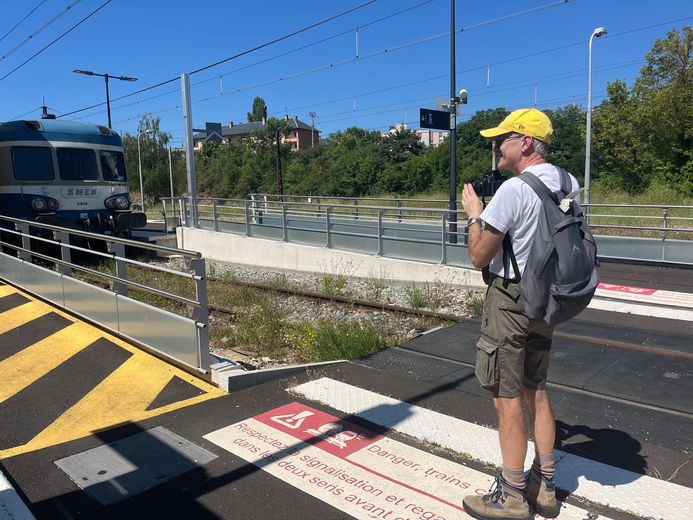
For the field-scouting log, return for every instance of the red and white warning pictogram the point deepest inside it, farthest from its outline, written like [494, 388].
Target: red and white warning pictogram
[292, 420]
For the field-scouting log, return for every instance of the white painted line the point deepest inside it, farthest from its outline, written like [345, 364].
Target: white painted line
[641, 309]
[11, 506]
[585, 478]
[353, 469]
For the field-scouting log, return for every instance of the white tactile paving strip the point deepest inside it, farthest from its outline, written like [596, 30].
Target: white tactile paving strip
[607, 485]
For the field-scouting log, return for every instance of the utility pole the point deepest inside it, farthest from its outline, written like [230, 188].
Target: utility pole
[312, 129]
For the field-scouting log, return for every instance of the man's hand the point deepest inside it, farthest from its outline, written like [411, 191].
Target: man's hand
[471, 202]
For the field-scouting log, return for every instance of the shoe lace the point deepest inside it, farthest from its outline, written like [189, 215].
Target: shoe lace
[496, 494]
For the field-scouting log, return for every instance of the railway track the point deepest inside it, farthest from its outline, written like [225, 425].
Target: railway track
[441, 316]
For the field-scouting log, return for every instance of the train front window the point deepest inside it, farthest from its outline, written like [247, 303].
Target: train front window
[77, 164]
[112, 166]
[32, 163]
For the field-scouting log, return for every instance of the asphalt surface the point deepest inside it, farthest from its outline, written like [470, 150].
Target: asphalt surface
[614, 402]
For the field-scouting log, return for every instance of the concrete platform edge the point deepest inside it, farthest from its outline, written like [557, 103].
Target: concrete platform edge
[236, 380]
[12, 507]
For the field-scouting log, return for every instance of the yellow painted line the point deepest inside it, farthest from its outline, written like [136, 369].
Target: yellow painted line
[23, 368]
[6, 290]
[23, 314]
[120, 398]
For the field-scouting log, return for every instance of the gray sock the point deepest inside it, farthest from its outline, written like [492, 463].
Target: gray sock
[543, 462]
[514, 477]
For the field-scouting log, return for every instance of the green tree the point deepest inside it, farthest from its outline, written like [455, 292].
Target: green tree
[567, 149]
[645, 135]
[153, 153]
[259, 110]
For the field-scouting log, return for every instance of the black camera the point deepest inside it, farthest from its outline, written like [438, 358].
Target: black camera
[489, 184]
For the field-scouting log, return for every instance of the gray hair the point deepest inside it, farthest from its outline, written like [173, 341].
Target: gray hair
[540, 147]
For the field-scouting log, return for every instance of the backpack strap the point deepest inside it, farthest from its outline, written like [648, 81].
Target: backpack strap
[566, 182]
[543, 192]
[509, 255]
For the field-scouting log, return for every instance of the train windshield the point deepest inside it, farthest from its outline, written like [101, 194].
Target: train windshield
[77, 164]
[32, 163]
[113, 166]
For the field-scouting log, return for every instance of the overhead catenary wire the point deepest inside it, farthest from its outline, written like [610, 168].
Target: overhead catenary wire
[38, 31]
[235, 56]
[340, 63]
[57, 39]
[389, 50]
[22, 20]
[271, 58]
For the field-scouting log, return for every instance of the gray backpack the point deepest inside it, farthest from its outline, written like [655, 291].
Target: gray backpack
[561, 275]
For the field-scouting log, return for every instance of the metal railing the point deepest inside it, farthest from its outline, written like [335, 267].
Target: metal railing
[401, 230]
[90, 275]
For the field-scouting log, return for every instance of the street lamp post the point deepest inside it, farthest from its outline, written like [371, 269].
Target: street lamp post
[106, 77]
[597, 33]
[139, 163]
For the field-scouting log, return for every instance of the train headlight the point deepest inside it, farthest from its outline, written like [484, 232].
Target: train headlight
[53, 204]
[119, 202]
[38, 204]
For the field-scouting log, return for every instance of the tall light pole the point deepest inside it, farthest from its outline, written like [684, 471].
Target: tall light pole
[453, 131]
[597, 33]
[106, 77]
[139, 162]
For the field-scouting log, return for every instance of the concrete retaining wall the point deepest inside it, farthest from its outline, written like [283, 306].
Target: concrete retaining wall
[272, 254]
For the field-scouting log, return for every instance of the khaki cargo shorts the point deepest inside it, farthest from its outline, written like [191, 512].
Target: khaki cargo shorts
[513, 350]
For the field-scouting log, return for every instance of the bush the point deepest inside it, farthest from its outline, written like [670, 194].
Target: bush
[326, 341]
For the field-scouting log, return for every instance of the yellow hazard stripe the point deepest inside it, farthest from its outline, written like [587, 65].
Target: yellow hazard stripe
[120, 398]
[6, 290]
[22, 315]
[28, 365]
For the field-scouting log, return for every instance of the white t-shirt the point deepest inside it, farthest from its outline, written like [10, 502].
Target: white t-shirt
[514, 209]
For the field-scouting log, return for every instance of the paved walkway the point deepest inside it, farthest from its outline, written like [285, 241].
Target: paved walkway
[94, 428]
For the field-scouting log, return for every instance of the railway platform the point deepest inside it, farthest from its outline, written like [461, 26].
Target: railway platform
[95, 428]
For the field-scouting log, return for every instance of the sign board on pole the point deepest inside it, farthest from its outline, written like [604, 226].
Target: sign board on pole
[434, 119]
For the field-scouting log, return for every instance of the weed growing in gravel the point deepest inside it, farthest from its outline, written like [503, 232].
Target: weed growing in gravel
[230, 275]
[279, 281]
[474, 303]
[375, 286]
[326, 341]
[429, 296]
[332, 285]
[234, 296]
[258, 330]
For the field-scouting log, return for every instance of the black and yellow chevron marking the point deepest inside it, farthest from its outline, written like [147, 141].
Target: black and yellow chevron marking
[62, 379]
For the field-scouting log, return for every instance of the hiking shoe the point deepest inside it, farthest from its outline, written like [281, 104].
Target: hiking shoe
[541, 494]
[505, 502]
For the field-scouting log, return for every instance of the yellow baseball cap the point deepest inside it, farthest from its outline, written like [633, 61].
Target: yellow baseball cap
[526, 121]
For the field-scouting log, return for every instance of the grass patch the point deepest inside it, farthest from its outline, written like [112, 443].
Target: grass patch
[327, 341]
[259, 330]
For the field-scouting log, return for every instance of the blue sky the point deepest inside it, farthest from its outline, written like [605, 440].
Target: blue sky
[504, 58]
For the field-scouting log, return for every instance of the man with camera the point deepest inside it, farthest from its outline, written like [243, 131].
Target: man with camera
[513, 349]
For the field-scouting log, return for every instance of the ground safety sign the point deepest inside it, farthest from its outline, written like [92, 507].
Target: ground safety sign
[359, 472]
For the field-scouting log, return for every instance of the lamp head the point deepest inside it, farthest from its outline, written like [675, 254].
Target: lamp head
[599, 32]
[85, 72]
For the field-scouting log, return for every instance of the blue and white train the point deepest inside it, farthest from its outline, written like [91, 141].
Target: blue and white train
[65, 173]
